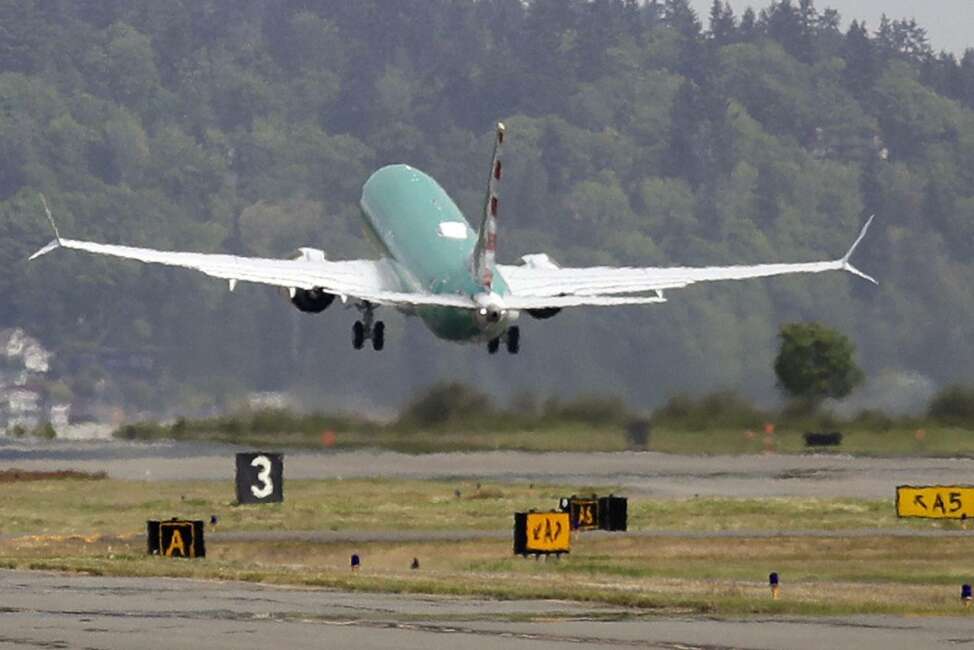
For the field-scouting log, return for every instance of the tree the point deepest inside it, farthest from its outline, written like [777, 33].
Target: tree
[679, 15]
[861, 65]
[784, 24]
[808, 18]
[815, 362]
[748, 29]
[231, 126]
[722, 23]
[966, 89]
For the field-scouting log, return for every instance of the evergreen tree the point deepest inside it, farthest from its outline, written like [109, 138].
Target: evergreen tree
[679, 15]
[885, 41]
[250, 125]
[783, 23]
[966, 90]
[861, 64]
[870, 186]
[749, 29]
[766, 208]
[723, 25]
[808, 21]
[829, 40]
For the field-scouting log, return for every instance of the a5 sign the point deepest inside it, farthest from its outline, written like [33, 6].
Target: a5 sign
[260, 477]
[584, 513]
[935, 501]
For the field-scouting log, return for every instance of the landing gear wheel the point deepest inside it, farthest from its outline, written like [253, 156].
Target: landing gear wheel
[378, 336]
[492, 345]
[513, 339]
[358, 335]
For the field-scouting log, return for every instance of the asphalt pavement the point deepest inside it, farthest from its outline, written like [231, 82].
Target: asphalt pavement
[46, 610]
[644, 473]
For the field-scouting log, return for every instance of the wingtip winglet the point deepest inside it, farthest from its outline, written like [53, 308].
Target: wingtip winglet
[846, 265]
[50, 219]
[853, 270]
[862, 235]
[54, 243]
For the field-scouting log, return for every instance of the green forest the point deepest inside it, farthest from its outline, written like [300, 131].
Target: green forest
[639, 133]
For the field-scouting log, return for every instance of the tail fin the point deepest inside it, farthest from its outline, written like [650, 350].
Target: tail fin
[483, 254]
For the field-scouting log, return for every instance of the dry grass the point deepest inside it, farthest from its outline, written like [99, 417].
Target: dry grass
[859, 438]
[716, 576]
[121, 507]
[20, 475]
[98, 527]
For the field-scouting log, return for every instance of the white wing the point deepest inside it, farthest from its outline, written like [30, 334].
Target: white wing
[374, 281]
[540, 284]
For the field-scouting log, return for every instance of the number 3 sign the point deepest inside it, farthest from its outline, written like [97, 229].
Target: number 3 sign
[260, 478]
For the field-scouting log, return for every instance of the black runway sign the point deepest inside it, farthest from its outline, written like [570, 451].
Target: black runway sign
[260, 478]
[583, 512]
[176, 538]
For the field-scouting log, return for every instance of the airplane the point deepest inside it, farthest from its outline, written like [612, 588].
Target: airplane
[433, 265]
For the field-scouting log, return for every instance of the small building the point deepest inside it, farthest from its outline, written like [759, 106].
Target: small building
[24, 364]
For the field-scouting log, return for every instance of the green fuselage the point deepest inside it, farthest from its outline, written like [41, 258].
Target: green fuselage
[404, 211]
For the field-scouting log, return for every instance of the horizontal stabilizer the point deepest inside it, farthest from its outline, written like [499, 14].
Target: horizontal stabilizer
[559, 302]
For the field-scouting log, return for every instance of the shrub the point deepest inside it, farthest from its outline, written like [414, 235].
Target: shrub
[588, 409]
[141, 431]
[45, 431]
[721, 409]
[873, 420]
[446, 403]
[953, 405]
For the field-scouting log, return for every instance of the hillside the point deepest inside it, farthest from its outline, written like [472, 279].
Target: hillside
[639, 133]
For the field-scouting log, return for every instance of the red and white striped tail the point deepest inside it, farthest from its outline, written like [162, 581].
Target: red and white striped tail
[484, 253]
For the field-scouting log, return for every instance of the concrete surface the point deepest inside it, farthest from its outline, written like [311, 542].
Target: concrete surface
[647, 473]
[46, 610]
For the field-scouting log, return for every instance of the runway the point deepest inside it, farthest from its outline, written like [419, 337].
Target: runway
[46, 610]
[644, 473]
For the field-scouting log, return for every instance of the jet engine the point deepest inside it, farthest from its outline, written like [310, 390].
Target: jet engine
[546, 312]
[312, 301]
[541, 261]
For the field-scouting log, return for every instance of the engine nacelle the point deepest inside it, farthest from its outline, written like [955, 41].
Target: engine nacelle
[541, 261]
[544, 313]
[309, 254]
[312, 301]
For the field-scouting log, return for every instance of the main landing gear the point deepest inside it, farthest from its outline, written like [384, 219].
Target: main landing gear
[512, 338]
[365, 330]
